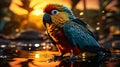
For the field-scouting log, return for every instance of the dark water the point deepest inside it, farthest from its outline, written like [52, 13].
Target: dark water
[110, 60]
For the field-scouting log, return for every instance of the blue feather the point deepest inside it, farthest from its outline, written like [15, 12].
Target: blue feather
[82, 38]
[70, 13]
[79, 35]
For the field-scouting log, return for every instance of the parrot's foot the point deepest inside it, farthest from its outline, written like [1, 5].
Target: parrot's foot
[55, 58]
[72, 58]
[58, 58]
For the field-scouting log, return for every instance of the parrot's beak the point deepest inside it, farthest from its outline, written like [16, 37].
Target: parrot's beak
[47, 19]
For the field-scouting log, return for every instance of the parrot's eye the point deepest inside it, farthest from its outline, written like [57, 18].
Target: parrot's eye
[54, 12]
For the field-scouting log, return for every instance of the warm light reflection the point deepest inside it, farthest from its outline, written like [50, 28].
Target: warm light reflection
[98, 23]
[3, 46]
[44, 47]
[12, 45]
[83, 55]
[37, 55]
[37, 45]
[17, 30]
[81, 13]
[37, 12]
[97, 28]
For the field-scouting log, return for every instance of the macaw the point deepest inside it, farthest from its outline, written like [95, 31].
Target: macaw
[67, 32]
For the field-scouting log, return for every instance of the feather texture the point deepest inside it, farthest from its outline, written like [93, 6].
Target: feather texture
[79, 35]
[68, 32]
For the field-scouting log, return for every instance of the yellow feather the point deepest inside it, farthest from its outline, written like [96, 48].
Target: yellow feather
[59, 19]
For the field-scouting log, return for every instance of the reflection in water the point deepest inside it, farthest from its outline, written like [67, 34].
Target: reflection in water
[92, 62]
[83, 61]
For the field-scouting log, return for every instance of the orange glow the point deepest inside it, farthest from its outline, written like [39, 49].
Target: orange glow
[16, 9]
[37, 12]
[112, 7]
[90, 4]
[40, 4]
[37, 4]
[37, 55]
[35, 16]
[81, 13]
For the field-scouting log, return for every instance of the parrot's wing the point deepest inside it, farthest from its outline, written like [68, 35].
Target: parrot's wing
[79, 35]
[79, 21]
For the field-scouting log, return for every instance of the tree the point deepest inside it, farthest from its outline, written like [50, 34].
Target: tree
[5, 15]
[3, 10]
[25, 22]
[75, 11]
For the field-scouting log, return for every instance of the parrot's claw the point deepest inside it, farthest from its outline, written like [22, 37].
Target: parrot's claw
[58, 58]
[55, 58]
[71, 58]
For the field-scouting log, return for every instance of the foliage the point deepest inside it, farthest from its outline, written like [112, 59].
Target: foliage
[6, 17]
[25, 5]
[75, 11]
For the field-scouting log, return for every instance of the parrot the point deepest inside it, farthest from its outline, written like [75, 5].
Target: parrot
[69, 33]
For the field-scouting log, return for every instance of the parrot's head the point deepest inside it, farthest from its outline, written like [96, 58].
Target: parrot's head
[57, 15]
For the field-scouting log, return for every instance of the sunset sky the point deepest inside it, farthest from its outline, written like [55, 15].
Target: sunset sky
[37, 13]
[92, 4]
[40, 6]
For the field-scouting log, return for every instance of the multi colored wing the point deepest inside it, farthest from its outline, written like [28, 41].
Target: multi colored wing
[79, 35]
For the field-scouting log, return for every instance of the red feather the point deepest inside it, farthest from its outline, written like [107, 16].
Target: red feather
[49, 8]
